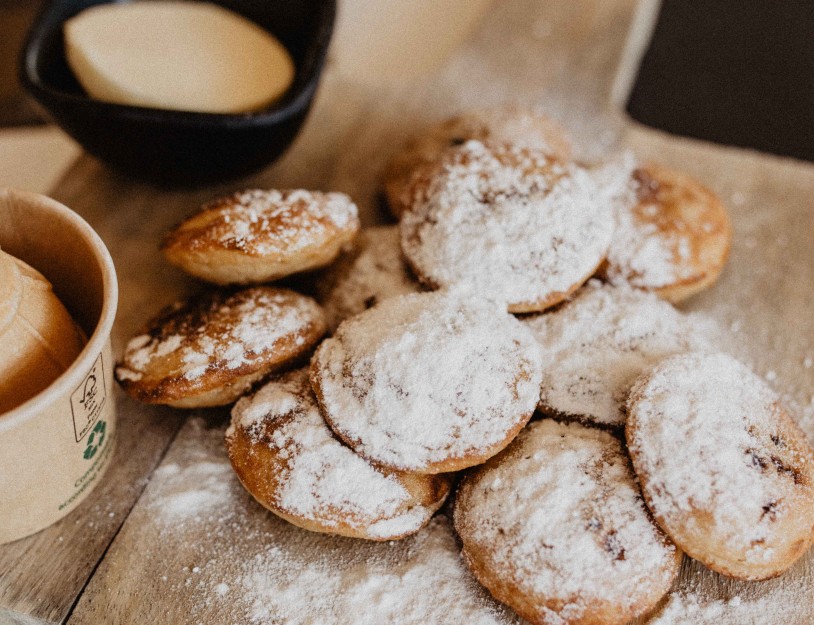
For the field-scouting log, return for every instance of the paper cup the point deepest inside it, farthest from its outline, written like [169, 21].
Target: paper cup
[55, 447]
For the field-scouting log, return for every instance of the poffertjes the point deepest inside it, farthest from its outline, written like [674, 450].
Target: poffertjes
[260, 235]
[555, 527]
[672, 237]
[210, 349]
[596, 345]
[371, 272]
[428, 382]
[726, 472]
[289, 460]
[511, 124]
[514, 225]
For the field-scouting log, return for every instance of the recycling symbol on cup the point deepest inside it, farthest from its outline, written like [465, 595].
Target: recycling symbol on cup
[95, 440]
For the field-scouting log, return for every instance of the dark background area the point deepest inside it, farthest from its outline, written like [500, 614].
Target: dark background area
[16, 17]
[739, 72]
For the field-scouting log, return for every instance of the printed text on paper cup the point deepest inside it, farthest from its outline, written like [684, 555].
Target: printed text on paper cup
[88, 400]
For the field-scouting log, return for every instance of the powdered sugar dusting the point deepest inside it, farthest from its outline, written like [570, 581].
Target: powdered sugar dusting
[521, 126]
[269, 222]
[428, 377]
[669, 229]
[595, 346]
[776, 603]
[372, 273]
[738, 465]
[513, 223]
[219, 331]
[559, 518]
[640, 254]
[253, 567]
[319, 478]
[205, 485]
[428, 586]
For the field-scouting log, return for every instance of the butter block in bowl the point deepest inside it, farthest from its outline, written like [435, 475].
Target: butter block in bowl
[173, 147]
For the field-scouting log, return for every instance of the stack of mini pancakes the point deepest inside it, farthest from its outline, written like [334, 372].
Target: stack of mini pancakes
[515, 335]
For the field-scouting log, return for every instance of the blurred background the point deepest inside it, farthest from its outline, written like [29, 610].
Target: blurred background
[15, 18]
[738, 72]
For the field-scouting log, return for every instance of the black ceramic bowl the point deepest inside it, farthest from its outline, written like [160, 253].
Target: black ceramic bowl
[174, 146]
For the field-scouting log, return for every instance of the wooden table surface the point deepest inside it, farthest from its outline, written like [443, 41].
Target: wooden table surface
[122, 557]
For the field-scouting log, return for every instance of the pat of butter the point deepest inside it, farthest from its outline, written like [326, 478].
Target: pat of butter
[186, 56]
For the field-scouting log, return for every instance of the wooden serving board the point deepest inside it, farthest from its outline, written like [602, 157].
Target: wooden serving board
[173, 538]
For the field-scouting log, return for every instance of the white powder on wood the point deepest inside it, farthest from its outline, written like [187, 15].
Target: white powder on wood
[783, 602]
[193, 491]
[426, 585]
[256, 568]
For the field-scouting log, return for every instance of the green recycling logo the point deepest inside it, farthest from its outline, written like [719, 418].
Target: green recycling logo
[95, 440]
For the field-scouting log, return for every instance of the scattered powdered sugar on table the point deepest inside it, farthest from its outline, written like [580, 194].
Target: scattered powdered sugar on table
[219, 331]
[727, 484]
[512, 223]
[227, 560]
[263, 222]
[205, 486]
[373, 272]
[785, 602]
[559, 518]
[428, 377]
[319, 478]
[427, 585]
[595, 346]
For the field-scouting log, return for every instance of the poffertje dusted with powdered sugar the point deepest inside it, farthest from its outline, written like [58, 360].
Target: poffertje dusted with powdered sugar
[386, 392]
